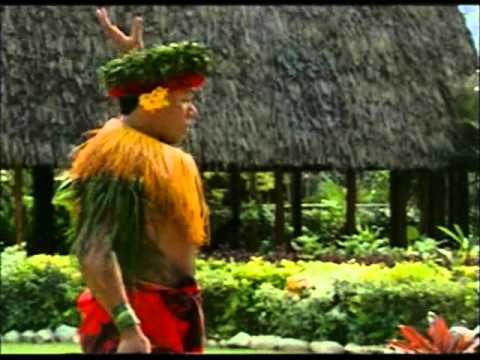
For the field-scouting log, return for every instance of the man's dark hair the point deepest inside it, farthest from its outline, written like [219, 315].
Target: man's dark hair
[127, 104]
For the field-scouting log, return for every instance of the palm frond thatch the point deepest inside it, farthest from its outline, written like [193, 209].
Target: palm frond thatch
[309, 86]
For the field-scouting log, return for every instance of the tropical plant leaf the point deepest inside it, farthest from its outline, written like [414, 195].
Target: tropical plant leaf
[472, 347]
[440, 335]
[404, 347]
[449, 233]
[443, 340]
[416, 339]
[459, 231]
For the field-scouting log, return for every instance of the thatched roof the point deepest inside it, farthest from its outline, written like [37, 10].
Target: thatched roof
[312, 86]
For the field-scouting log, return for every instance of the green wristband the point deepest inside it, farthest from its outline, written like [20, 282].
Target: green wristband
[124, 317]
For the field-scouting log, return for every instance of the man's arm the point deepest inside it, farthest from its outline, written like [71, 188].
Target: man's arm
[103, 276]
[104, 205]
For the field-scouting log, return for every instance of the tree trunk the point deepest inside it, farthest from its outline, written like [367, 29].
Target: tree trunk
[19, 211]
[297, 195]
[398, 208]
[235, 206]
[279, 211]
[350, 221]
[43, 211]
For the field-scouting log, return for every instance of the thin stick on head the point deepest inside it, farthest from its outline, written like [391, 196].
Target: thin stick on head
[121, 41]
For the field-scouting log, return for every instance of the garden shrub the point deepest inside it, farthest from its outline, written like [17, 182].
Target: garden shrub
[257, 222]
[380, 218]
[466, 273]
[7, 230]
[228, 291]
[348, 302]
[365, 304]
[10, 258]
[7, 210]
[326, 223]
[364, 242]
[368, 246]
[403, 295]
[351, 302]
[310, 316]
[38, 291]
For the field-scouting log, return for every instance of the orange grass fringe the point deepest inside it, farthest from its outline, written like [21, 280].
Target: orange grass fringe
[170, 177]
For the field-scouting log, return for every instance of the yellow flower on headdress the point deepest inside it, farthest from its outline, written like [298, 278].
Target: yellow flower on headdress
[155, 100]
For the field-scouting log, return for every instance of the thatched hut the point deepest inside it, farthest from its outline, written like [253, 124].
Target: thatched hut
[300, 88]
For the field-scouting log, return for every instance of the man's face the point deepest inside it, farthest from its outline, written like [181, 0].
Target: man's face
[170, 124]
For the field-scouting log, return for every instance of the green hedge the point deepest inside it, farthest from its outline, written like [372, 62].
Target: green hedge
[348, 303]
[39, 291]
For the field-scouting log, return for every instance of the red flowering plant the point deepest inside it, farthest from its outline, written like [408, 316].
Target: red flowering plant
[440, 339]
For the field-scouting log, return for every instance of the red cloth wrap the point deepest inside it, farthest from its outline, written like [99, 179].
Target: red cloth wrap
[172, 319]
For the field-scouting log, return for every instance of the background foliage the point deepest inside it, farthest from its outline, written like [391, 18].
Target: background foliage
[346, 302]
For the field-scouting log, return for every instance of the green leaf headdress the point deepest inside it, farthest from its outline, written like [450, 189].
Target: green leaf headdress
[175, 65]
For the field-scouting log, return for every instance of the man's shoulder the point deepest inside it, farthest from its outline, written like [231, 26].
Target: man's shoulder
[188, 157]
[111, 149]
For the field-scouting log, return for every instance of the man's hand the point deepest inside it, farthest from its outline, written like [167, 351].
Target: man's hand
[120, 41]
[133, 340]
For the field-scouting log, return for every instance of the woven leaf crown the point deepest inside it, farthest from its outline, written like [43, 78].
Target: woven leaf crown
[157, 64]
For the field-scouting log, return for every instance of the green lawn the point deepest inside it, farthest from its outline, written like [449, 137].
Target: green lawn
[60, 348]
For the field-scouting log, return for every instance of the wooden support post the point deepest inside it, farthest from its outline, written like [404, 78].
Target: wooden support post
[458, 204]
[297, 195]
[452, 203]
[433, 202]
[438, 203]
[350, 221]
[43, 212]
[463, 201]
[253, 185]
[18, 198]
[425, 199]
[398, 208]
[280, 240]
[235, 206]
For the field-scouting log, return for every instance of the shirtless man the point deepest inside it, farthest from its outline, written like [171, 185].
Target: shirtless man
[143, 214]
